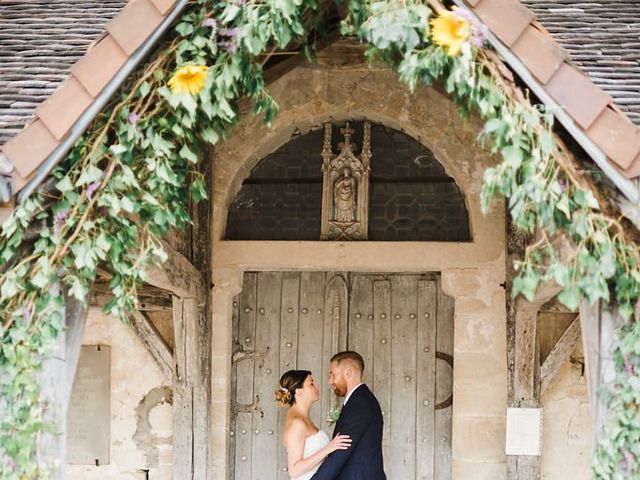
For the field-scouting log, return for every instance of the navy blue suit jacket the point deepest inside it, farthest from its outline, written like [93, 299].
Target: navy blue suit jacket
[361, 419]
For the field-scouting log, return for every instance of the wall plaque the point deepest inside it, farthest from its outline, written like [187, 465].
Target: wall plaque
[88, 418]
[524, 431]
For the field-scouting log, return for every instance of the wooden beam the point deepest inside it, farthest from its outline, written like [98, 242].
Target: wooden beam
[146, 303]
[76, 320]
[177, 275]
[56, 382]
[526, 390]
[191, 399]
[598, 324]
[525, 353]
[153, 342]
[560, 354]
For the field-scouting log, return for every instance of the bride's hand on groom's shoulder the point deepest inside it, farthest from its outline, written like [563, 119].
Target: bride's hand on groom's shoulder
[339, 442]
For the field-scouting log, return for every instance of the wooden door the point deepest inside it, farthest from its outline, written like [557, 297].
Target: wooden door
[401, 324]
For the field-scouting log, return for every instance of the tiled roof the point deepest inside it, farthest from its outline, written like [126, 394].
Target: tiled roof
[40, 40]
[603, 38]
[47, 52]
[80, 78]
[591, 106]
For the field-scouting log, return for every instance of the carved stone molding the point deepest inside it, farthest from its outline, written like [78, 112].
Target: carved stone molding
[345, 187]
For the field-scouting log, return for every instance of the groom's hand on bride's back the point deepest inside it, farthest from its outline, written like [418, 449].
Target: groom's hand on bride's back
[339, 442]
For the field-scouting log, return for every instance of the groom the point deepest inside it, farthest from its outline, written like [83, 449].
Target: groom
[360, 418]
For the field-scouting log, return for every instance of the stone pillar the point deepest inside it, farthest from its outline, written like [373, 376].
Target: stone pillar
[480, 371]
[227, 284]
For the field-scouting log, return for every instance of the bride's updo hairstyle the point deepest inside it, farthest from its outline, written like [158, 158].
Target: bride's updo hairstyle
[289, 382]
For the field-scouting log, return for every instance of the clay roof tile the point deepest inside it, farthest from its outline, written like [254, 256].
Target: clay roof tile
[99, 65]
[507, 19]
[61, 110]
[134, 25]
[617, 137]
[539, 52]
[577, 94]
[29, 149]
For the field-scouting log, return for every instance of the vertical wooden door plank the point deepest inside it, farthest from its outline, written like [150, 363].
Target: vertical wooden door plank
[335, 327]
[403, 375]
[266, 376]
[288, 351]
[310, 336]
[247, 311]
[327, 398]
[382, 369]
[360, 336]
[233, 383]
[444, 386]
[426, 379]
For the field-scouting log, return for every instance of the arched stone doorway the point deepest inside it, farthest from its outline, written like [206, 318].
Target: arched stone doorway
[401, 323]
[470, 272]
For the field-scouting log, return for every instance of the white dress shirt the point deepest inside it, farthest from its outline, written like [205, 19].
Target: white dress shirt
[346, 398]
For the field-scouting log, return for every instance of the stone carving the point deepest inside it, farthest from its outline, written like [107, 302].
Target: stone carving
[344, 197]
[345, 187]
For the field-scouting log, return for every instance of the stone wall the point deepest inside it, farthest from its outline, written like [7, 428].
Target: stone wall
[472, 272]
[141, 413]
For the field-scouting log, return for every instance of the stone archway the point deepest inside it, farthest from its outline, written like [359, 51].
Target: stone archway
[472, 272]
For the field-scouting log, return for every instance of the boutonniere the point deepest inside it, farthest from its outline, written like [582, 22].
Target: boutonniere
[333, 414]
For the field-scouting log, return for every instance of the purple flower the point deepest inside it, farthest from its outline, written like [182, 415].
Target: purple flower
[230, 47]
[133, 118]
[629, 368]
[229, 32]
[27, 313]
[58, 221]
[104, 210]
[479, 30]
[91, 189]
[209, 22]
[629, 460]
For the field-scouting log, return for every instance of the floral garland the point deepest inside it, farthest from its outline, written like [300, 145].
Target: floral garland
[121, 188]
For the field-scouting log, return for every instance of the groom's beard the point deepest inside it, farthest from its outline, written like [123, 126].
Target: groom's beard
[340, 389]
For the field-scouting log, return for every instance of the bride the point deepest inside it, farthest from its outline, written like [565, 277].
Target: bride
[306, 446]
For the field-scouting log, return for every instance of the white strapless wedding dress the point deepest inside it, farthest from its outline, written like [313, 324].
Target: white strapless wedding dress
[312, 444]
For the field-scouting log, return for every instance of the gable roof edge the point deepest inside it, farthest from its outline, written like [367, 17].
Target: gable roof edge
[85, 119]
[630, 188]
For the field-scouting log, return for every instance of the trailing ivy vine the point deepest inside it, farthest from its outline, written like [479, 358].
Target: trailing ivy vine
[122, 188]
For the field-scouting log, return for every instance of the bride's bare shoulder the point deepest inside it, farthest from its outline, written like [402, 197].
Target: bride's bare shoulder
[294, 427]
[294, 420]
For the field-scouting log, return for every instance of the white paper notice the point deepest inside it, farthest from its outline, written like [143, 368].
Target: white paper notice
[524, 431]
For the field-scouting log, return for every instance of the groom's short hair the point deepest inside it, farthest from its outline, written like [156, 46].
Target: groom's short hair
[349, 356]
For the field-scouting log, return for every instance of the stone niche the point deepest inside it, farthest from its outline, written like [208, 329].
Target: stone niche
[400, 191]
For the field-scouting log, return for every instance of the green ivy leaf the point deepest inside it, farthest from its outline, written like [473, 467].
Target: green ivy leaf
[118, 149]
[187, 154]
[64, 185]
[89, 174]
[210, 135]
[570, 297]
[585, 199]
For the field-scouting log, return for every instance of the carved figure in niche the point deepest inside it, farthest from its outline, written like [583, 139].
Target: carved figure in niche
[344, 197]
[345, 186]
